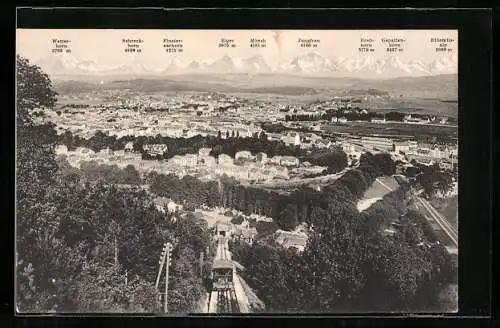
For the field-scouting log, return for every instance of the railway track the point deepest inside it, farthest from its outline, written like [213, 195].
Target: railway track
[225, 301]
[223, 298]
[441, 221]
[223, 252]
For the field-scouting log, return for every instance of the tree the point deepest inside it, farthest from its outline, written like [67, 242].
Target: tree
[75, 242]
[288, 217]
[34, 90]
[237, 220]
[131, 175]
[36, 219]
[104, 288]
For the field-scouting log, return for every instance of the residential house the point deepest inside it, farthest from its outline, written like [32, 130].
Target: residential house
[348, 148]
[245, 234]
[401, 146]
[322, 143]
[261, 158]
[291, 239]
[291, 138]
[207, 161]
[190, 160]
[378, 120]
[61, 150]
[412, 144]
[224, 159]
[289, 161]
[129, 146]
[106, 151]
[446, 165]
[243, 155]
[204, 151]
[276, 160]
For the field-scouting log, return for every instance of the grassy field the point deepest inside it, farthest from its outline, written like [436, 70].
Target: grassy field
[393, 129]
[432, 106]
[379, 188]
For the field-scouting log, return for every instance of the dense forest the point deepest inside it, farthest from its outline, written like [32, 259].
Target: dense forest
[88, 246]
[350, 263]
[431, 177]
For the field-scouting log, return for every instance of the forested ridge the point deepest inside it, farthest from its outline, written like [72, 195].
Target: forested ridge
[350, 263]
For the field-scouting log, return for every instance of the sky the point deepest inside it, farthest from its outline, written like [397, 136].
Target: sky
[105, 46]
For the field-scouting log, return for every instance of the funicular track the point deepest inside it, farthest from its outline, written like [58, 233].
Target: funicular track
[223, 291]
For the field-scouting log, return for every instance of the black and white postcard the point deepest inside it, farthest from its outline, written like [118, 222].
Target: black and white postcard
[236, 171]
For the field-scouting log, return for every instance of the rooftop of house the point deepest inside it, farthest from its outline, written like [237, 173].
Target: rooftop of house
[290, 238]
[222, 264]
[294, 241]
[289, 158]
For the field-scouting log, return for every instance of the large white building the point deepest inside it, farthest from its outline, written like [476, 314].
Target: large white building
[377, 142]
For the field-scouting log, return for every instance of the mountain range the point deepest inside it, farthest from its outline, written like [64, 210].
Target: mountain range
[311, 64]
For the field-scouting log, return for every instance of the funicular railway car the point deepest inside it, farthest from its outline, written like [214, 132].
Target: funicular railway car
[222, 275]
[222, 229]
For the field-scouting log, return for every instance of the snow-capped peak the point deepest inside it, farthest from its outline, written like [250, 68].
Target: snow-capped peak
[445, 64]
[311, 62]
[176, 65]
[255, 63]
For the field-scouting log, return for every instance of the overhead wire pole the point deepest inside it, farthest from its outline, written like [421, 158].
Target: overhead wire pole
[168, 263]
[161, 263]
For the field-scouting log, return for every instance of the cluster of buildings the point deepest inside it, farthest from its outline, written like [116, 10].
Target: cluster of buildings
[245, 167]
[422, 152]
[80, 155]
[176, 116]
[304, 140]
[151, 149]
[243, 232]
[240, 232]
[424, 119]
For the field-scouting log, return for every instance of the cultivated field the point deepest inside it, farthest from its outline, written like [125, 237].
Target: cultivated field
[394, 129]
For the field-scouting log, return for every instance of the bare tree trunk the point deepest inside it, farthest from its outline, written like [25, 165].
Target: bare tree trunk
[116, 252]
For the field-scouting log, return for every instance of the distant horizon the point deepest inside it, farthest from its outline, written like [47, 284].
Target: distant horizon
[70, 77]
[304, 51]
